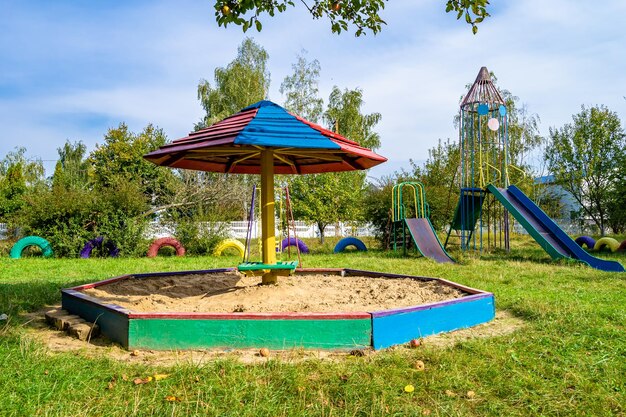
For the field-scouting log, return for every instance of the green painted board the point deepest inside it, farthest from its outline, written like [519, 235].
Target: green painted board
[255, 266]
[165, 334]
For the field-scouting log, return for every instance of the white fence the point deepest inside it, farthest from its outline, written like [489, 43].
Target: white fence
[239, 229]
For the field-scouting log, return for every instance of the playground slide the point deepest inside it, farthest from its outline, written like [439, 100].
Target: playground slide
[545, 231]
[426, 240]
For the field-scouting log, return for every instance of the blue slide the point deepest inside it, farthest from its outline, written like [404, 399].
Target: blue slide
[545, 231]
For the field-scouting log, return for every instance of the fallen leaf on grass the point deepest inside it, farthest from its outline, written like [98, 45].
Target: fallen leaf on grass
[159, 377]
[470, 394]
[450, 393]
[172, 399]
[139, 381]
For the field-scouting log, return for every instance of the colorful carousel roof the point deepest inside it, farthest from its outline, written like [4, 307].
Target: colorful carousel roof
[234, 145]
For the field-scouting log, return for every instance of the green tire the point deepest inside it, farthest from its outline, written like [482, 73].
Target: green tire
[23, 243]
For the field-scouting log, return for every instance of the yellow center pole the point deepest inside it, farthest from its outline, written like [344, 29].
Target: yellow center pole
[268, 238]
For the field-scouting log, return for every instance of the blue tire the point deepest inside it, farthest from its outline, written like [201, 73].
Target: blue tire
[349, 241]
[587, 241]
[292, 241]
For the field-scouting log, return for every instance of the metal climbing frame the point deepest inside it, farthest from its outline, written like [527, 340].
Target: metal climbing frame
[481, 222]
[398, 207]
[400, 198]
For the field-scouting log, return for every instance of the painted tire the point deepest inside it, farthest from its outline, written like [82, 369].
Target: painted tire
[227, 244]
[99, 242]
[587, 241]
[153, 250]
[622, 247]
[23, 243]
[292, 241]
[606, 242]
[349, 241]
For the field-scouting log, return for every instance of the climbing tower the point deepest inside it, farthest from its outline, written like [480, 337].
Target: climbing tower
[479, 221]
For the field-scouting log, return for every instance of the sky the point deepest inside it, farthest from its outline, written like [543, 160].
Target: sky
[70, 70]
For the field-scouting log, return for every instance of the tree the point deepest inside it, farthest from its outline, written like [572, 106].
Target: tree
[17, 177]
[587, 159]
[440, 178]
[244, 81]
[301, 89]
[334, 197]
[344, 114]
[328, 198]
[71, 170]
[363, 15]
[377, 204]
[120, 160]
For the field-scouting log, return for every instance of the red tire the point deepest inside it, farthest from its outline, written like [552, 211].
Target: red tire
[153, 250]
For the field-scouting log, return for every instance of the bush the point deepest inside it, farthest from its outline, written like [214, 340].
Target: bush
[198, 240]
[70, 218]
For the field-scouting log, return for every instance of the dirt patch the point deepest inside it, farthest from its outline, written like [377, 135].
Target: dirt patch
[230, 292]
[59, 342]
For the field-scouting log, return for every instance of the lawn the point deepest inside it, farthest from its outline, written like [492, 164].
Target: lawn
[568, 359]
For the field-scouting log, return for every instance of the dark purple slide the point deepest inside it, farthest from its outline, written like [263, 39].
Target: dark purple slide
[426, 241]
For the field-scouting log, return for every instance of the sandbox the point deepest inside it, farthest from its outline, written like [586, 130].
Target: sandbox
[314, 309]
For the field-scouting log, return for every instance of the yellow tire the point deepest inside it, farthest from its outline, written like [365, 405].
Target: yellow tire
[606, 242]
[228, 244]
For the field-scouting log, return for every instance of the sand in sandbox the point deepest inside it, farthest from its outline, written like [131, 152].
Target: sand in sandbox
[231, 292]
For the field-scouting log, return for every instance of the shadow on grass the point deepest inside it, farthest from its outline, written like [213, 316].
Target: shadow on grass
[21, 297]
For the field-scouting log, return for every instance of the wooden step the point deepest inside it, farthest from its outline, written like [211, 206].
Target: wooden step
[74, 325]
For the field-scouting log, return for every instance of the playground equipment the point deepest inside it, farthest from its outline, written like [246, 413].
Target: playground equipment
[480, 222]
[585, 241]
[545, 231]
[602, 243]
[349, 241]
[265, 139]
[23, 243]
[420, 231]
[101, 244]
[294, 242]
[608, 243]
[484, 160]
[153, 250]
[230, 244]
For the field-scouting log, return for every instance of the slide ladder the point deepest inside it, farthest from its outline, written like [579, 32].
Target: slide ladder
[466, 215]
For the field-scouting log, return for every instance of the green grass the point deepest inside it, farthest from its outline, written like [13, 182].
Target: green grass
[568, 360]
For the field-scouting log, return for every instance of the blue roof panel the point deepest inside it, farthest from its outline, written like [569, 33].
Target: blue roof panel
[273, 126]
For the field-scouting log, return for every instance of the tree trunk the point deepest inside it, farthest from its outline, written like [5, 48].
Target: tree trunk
[321, 227]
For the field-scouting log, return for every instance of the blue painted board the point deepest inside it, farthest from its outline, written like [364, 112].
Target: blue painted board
[394, 329]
